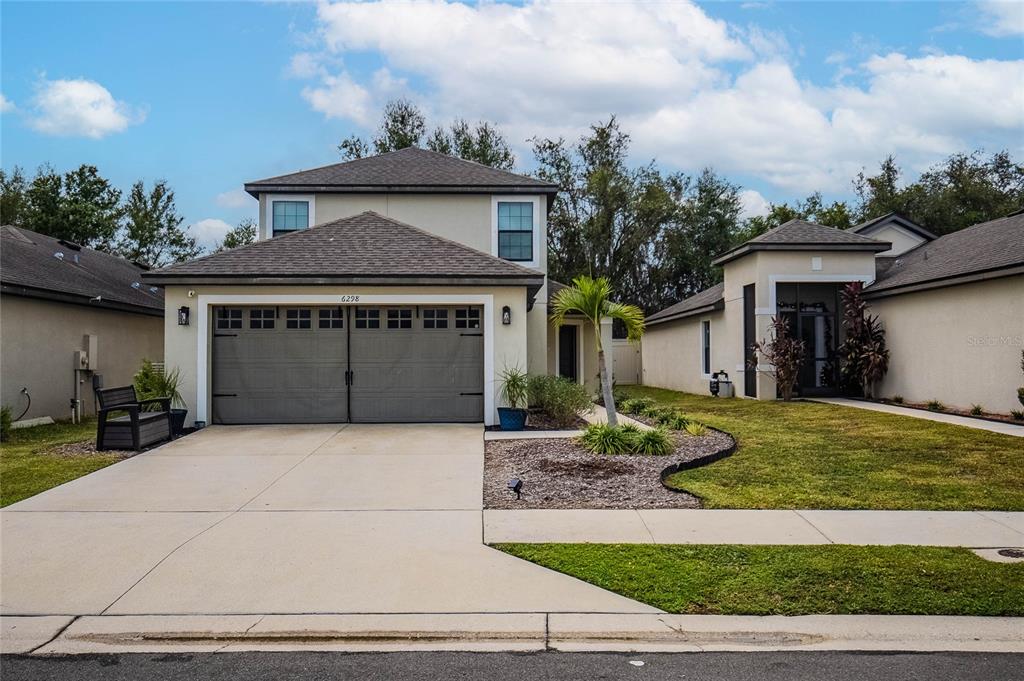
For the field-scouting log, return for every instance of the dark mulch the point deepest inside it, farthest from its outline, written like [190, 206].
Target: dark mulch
[559, 473]
[538, 420]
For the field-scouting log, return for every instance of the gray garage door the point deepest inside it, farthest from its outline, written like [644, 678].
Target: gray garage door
[333, 364]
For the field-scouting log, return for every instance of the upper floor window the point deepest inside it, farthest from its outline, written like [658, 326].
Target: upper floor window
[289, 216]
[515, 230]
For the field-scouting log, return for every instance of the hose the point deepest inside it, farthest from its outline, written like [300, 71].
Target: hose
[24, 391]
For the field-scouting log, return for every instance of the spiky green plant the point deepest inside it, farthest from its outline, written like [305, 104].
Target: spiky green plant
[592, 300]
[602, 438]
[653, 442]
[696, 428]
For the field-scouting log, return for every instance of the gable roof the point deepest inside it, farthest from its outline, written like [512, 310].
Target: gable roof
[708, 300]
[804, 235]
[892, 218]
[553, 289]
[368, 248]
[30, 266]
[987, 250]
[406, 170]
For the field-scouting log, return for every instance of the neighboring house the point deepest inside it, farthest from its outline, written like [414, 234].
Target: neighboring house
[391, 288]
[952, 308]
[68, 313]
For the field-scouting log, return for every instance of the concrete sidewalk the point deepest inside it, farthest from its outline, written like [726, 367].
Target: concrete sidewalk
[507, 632]
[973, 529]
[977, 424]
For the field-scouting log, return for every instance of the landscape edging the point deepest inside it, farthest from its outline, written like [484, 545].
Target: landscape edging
[698, 463]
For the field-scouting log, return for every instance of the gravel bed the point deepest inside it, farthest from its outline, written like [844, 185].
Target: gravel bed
[86, 448]
[559, 473]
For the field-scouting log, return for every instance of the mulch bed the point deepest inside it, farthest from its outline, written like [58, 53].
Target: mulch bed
[538, 420]
[86, 448]
[559, 473]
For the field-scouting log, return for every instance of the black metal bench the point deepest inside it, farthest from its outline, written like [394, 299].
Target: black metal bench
[137, 428]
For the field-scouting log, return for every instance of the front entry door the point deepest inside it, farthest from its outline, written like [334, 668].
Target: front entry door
[568, 359]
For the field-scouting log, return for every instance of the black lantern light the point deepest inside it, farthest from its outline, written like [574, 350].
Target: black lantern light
[506, 315]
[183, 312]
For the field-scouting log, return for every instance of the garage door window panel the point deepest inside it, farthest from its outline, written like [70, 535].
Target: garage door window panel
[300, 318]
[467, 318]
[367, 318]
[332, 318]
[400, 319]
[262, 318]
[229, 318]
[435, 318]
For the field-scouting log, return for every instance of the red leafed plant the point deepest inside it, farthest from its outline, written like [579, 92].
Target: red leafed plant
[784, 353]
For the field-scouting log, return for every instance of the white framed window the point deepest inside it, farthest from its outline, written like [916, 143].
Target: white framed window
[367, 318]
[286, 213]
[332, 318]
[262, 317]
[515, 229]
[298, 318]
[435, 318]
[400, 319]
[705, 347]
[467, 318]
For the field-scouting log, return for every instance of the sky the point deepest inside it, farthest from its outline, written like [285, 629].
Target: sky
[783, 98]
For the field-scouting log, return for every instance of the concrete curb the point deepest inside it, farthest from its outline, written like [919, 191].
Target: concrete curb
[525, 632]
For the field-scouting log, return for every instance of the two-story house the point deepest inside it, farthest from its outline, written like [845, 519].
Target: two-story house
[391, 288]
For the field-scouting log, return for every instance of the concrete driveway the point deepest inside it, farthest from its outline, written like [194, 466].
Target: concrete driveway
[282, 520]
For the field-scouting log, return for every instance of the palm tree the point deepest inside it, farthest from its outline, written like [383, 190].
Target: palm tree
[591, 299]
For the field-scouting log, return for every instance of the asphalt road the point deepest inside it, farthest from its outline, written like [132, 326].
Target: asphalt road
[793, 666]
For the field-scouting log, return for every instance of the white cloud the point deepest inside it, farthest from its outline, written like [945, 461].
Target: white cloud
[669, 71]
[6, 105]
[209, 232]
[80, 108]
[236, 198]
[1002, 18]
[304, 65]
[754, 204]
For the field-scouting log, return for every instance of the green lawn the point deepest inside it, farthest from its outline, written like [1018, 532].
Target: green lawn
[26, 468]
[792, 580]
[810, 455]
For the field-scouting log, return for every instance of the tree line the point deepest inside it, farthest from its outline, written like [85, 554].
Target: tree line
[650, 232]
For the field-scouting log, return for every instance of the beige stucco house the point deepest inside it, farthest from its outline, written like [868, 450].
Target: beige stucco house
[952, 308]
[396, 287]
[69, 314]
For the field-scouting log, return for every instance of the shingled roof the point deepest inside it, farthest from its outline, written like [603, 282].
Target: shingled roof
[405, 170]
[708, 300]
[804, 235]
[40, 266]
[368, 248]
[986, 250]
[895, 219]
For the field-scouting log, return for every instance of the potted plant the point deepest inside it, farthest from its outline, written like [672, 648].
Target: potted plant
[515, 390]
[150, 383]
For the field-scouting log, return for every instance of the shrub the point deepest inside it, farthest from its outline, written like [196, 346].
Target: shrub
[679, 423]
[630, 428]
[977, 410]
[784, 353]
[935, 405]
[535, 388]
[151, 383]
[1020, 395]
[600, 438]
[1017, 414]
[5, 424]
[562, 400]
[667, 417]
[696, 428]
[637, 406]
[653, 442]
[897, 399]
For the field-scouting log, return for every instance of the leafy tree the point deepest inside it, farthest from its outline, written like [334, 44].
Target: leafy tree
[592, 299]
[241, 235]
[81, 206]
[404, 125]
[152, 231]
[483, 144]
[963, 190]
[703, 226]
[13, 201]
[607, 217]
[813, 209]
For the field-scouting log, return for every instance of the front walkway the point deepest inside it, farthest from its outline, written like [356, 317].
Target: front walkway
[690, 526]
[978, 424]
[278, 519]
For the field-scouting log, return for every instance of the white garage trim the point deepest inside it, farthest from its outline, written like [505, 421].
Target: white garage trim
[203, 350]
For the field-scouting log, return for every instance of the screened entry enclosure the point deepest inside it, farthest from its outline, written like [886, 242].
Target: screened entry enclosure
[310, 364]
[813, 314]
